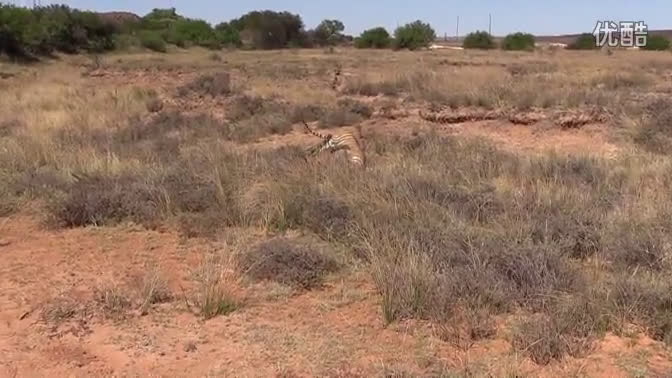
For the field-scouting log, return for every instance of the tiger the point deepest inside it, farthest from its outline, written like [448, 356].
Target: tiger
[347, 142]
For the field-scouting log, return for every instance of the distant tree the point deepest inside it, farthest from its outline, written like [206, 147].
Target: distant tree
[585, 41]
[374, 38]
[657, 43]
[414, 35]
[42, 30]
[329, 32]
[479, 40]
[15, 33]
[160, 19]
[269, 29]
[227, 35]
[518, 41]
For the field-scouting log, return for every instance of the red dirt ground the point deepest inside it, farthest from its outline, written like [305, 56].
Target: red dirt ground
[335, 331]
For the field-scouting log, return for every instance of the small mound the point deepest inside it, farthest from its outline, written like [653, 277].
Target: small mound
[284, 261]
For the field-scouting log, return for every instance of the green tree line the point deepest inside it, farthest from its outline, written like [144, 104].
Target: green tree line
[31, 33]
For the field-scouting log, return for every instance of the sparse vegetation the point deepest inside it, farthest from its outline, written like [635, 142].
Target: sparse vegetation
[153, 289]
[479, 239]
[112, 299]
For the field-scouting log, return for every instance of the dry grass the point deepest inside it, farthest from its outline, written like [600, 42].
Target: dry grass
[114, 301]
[217, 290]
[153, 289]
[452, 230]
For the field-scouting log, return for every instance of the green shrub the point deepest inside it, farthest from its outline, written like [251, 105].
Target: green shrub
[518, 41]
[198, 32]
[414, 35]
[657, 43]
[479, 40]
[585, 41]
[227, 35]
[125, 41]
[152, 41]
[377, 38]
[43, 30]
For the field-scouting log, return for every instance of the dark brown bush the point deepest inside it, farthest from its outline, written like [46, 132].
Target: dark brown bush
[37, 183]
[102, 200]
[569, 328]
[635, 243]
[307, 113]
[325, 215]
[645, 299]
[217, 84]
[478, 204]
[655, 132]
[287, 262]
[154, 105]
[356, 107]
[244, 106]
[536, 273]
[347, 112]
[196, 126]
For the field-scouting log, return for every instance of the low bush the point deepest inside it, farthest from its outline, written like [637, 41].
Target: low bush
[478, 40]
[286, 262]
[518, 41]
[377, 38]
[153, 41]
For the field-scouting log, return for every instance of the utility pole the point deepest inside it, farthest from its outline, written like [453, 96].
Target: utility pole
[490, 24]
[457, 30]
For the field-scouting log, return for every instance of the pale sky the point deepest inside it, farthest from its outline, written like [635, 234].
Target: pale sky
[541, 17]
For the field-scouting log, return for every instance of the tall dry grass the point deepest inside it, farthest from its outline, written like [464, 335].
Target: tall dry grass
[455, 231]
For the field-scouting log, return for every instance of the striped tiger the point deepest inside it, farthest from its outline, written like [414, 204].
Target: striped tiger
[460, 117]
[347, 142]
